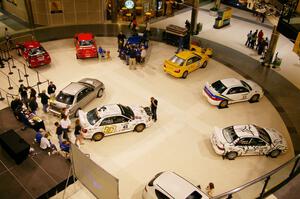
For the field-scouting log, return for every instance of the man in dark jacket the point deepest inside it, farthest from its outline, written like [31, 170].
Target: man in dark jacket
[44, 100]
[154, 104]
[51, 89]
[23, 93]
[33, 105]
[121, 40]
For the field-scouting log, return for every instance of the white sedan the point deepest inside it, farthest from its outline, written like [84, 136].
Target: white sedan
[231, 90]
[114, 119]
[239, 140]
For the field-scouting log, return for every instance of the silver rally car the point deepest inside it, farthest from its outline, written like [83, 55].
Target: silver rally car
[239, 140]
[76, 95]
[113, 119]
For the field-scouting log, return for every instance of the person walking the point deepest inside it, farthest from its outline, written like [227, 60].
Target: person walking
[262, 46]
[253, 39]
[51, 90]
[44, 100]
[65, 125]
[33, 105]
[77, 133]
[59, 131]
[249, 35]
[259, 38]
[121, 40]
[154, 104]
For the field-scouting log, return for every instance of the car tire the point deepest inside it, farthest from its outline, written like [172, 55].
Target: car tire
[231, 155]
[223, 104]
[204, 64]
[139, 128]
[185, 74]
[97, 137]
[275, 153]
[254, 98]
[100, 93]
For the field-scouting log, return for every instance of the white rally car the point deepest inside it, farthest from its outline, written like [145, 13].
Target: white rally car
[239, 140]
[168, 184]
[227, 91]
[113, 119]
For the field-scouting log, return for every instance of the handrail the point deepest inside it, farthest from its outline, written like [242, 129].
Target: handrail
[237, 189]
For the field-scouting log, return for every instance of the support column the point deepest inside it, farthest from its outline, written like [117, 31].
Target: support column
[114, 11]
[272, 47]
[29, 13]
[194, 16]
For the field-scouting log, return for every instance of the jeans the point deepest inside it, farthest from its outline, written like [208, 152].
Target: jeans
[59, 138]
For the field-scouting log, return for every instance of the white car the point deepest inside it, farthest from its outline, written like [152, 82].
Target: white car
[231, 90]
[167, 185]
[239, 140]
[114, 119]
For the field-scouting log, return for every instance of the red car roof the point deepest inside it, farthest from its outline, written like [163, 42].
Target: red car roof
[85, 36]
[31, 44]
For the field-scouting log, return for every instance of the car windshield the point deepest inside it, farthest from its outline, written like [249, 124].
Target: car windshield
[194, 195]
[65, 98]
[93, 116]
[262, 133]
[246, 85]
[86, 42]
[219, 86]
[177, 60]
[36, 51]
[126, 111]
[229, 134]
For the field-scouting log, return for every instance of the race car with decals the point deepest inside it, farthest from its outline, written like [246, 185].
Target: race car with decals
[113, 119]
[231, 90]
[85, 45]
[33, 53]
[239, 140]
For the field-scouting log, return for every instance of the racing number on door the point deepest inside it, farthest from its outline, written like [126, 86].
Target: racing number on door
[109, 129]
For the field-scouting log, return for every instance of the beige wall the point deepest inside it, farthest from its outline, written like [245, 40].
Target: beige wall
[74, 12]
[18, 10]
[298, 8]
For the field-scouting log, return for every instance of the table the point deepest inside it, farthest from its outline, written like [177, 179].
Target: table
[16, 147]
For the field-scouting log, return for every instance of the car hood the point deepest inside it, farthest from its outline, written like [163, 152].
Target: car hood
[59, 105]
[83, 119]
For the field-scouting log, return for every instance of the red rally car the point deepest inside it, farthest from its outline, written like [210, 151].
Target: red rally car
[33, 53]
[85, 45]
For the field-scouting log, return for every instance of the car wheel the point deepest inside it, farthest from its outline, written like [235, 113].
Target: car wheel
[223, 104]
[139, 128]
[275, 153]
[231, 155]
[254, 98]
[100, 92]
[185, 74]
[97, 137]
[204, 64]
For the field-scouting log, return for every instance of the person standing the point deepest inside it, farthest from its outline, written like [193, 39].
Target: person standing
[249, 35]
[143, 54]
[51, 90]
[32, 93]
[59, 131]
[154, 104]
[253, 39]
[44, 100]
[77, 133]
[209, 189]
[23, 93]
[65, 125]
[132, 58]
[121, 40]
[33, 105]
[259, 38]
[180, 45]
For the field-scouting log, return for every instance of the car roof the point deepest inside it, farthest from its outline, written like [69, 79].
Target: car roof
[185, 54]
[85, 36]
[175, 185]
[246, 130]
[109, 110]
[231, 82]
[73, 88]
[31, 44]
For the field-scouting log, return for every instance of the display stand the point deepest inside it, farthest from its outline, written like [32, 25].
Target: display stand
[223, 19]
[174, 34]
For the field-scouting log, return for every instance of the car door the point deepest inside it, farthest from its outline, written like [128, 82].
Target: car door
[107, 126]
[189, 65]
[244, 146]
[260, 147]
[84, 97]
[238, 93]
[122, 124]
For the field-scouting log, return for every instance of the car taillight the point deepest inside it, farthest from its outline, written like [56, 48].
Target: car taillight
[177, 71]
[84, 130]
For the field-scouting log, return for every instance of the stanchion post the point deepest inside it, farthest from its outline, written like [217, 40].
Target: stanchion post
[25, 71]
[1, 97]
[38, 77]
[10, 72]
[10, 87]
[20, 79]
[26, 77]
[13, 63]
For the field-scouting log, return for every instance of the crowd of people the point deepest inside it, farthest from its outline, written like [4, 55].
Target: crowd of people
[256, 40]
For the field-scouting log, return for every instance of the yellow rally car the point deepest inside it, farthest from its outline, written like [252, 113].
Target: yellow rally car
[181, 64]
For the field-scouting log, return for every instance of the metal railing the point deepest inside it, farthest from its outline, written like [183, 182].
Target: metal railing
[267, 184]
